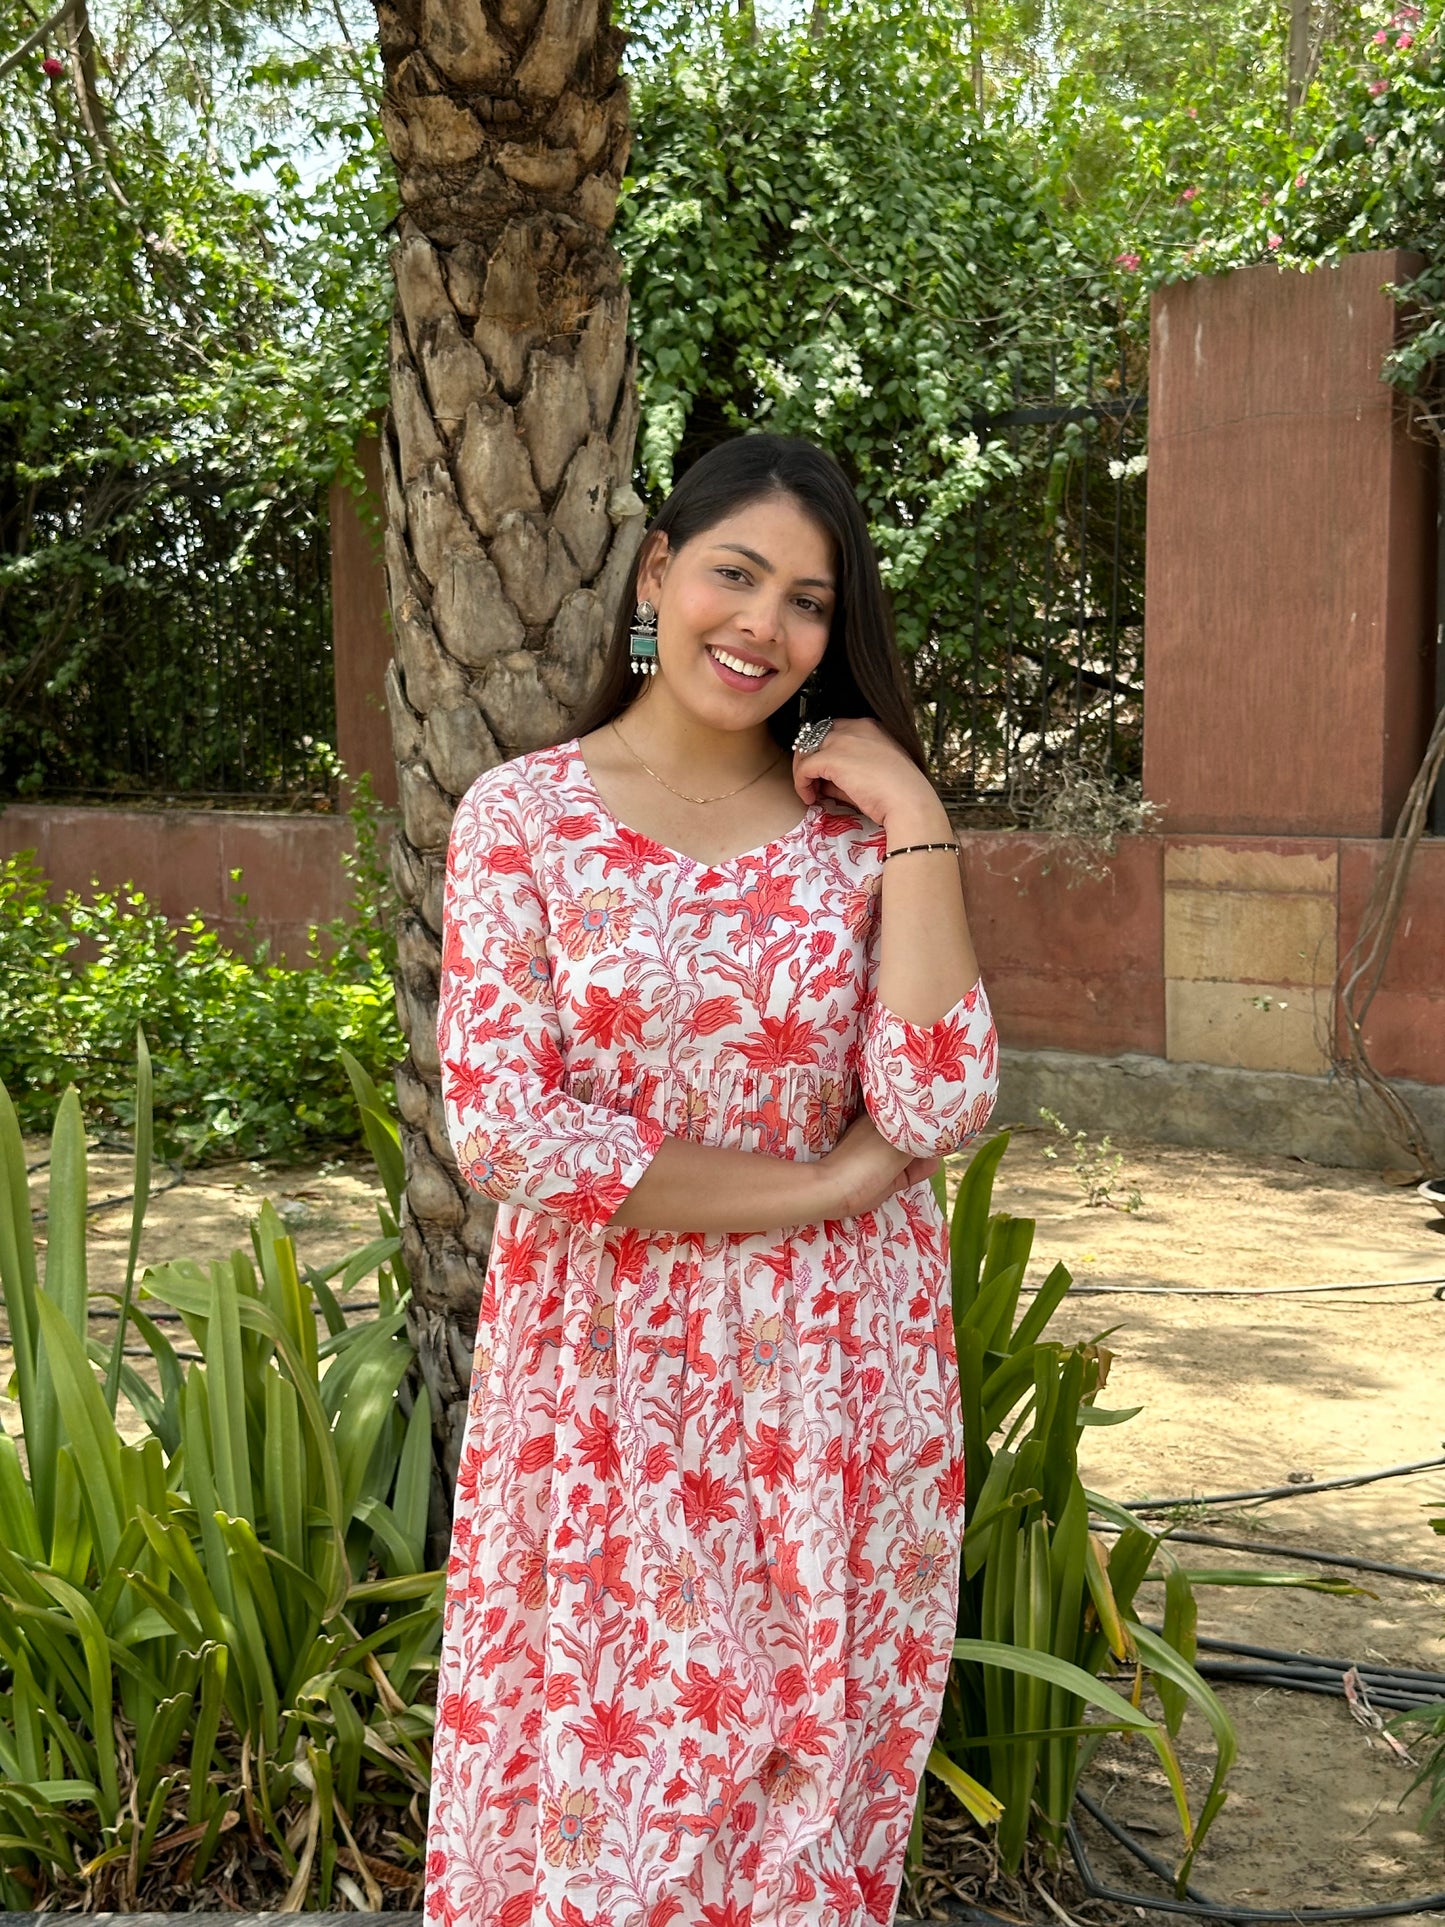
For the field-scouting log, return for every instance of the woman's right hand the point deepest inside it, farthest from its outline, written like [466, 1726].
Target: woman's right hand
[863, 1169]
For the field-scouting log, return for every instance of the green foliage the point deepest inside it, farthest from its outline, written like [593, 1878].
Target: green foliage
[823, 237]
[866, 224]
[1428, 1732]
[1426, 1729]
[245, 1050]
[1096, 1167]
[1372, 180]
[1202, 166]
[214, 1637]
[191, 337]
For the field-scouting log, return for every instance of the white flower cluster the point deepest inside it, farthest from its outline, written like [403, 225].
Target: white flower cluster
[840, 380]
[1126, 471]
[778, 381]
[964, 451]
[970, 465]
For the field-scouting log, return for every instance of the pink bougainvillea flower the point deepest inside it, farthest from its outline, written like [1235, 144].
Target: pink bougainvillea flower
[1275, 241]
[1405, 40]
[50, 65]
[1193, 112]
[1380, 38]
[1189, 194]
[1128, 261]
[1377, 87]
[1299, 180]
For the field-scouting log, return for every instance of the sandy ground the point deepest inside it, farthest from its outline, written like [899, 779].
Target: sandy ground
[1235, 1393]
[1241, 1393]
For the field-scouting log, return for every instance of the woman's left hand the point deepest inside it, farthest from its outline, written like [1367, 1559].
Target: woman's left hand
[858, 762]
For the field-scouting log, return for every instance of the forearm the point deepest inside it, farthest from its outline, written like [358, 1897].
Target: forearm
[926, 961]
[711, 1189]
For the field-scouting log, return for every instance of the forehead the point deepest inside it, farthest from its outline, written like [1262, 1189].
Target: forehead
[780, 529]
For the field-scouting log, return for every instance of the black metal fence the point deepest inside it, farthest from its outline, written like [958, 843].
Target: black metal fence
[200, 660]
[198, 663]
[1043, 679]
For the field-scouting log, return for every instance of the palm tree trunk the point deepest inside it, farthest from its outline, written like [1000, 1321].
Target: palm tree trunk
[511, 520]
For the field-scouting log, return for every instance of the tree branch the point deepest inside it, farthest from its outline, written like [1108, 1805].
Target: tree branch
[41, 34]
[87, 95]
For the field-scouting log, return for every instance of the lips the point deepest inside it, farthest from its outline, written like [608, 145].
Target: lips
[734, 678]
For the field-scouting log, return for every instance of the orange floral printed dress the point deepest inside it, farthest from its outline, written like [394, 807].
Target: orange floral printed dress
[704, 1567]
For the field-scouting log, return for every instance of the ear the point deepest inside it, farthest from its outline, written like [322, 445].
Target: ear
[652, 566]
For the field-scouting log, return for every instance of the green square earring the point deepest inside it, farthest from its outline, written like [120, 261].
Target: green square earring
[642, 651]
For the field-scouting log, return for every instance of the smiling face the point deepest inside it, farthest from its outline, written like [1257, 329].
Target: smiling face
[758, 587]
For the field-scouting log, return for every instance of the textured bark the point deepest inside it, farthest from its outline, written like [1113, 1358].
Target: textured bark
[511, 518]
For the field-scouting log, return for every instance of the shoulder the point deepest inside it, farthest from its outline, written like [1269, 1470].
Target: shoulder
[511, 796]
[501, 821]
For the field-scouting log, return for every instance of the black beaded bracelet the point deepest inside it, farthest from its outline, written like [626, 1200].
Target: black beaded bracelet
[919, 846]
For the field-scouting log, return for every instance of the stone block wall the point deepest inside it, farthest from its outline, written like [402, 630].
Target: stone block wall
[1251, 942]
[1205, 950]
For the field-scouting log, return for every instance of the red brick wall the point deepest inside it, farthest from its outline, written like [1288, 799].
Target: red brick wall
[1290, 594]
[1072, 963]
[182, 860]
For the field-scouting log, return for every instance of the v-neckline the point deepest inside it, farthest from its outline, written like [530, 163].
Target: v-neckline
[587, 782]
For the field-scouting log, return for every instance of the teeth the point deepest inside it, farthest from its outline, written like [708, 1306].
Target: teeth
[734, 662]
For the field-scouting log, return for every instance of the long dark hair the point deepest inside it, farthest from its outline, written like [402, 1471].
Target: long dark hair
[861, 673]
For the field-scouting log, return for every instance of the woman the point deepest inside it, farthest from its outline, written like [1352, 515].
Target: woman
[706, 1051]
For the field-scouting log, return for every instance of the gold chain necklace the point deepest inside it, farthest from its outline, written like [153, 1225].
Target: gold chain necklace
[682, 793]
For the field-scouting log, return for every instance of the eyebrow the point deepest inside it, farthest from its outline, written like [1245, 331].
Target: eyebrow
[804, 581]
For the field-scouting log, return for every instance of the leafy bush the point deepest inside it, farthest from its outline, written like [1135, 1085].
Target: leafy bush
[216, 1643]
[825, 239]
[245, 1049]
[188, 360]
[1204, 167]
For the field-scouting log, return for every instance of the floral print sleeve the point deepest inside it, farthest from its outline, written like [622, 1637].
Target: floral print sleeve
[930, 1088]
[518, 1135]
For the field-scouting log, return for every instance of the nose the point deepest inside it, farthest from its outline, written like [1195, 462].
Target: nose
[761, 618]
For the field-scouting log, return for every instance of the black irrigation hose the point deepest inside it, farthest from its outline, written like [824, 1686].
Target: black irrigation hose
[1407, 1686]
[1198, 1909]
[1397, 1689]
[120, 1198]
[1316, 1662]
[1238, 1672]
[1285, 1491]
[168, 1317]
[1270, 1549]
[174, 1317]
[1140, 1852]
[1246, 1291]
[1293, 1672]
[213, 1919]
